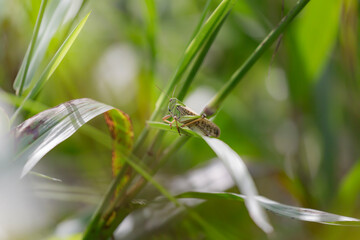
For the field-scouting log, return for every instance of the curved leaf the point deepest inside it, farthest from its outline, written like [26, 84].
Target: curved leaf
[38, 135]
[298, 213]
[238, 171]
[121, 130]
[40, 175]
[243, 180]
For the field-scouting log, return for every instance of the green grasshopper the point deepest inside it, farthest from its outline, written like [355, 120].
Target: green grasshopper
[180, 113]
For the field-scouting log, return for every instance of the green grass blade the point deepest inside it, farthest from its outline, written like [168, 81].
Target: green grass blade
[191, 51]
[151, 26]
[199, 60]
[166, 127]
[193, 48]
[50, 20]
[202, 18]
[30, 105]
[22, 76]
[53, 64]
[215, 103]
[298, 213]
[40, 175]
[141, 170]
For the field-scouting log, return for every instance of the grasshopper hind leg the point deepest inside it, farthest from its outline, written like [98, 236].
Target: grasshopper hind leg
[177, 126]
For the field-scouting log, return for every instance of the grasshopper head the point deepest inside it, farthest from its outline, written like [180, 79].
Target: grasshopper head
[172, 104]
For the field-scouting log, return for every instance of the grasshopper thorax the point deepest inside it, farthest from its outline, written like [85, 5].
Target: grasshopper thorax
[173, 107]
[172, 104]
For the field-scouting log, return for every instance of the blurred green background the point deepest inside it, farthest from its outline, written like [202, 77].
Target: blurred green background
[294, 118]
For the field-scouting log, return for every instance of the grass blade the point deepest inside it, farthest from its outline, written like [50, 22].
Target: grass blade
[298, 213]
[166, 127]
[215, 103]
[50, 19]
[40, 175]
[193, 48]
[141, 170]
[41, 133]
[243, 180]
[189, 54]
[53, 64]
[199, 60]
[22, 76]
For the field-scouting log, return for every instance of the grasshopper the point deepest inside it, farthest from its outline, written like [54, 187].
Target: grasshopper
[180, 113]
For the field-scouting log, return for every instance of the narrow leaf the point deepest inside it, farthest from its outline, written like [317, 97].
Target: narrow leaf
[53, 64]
[45, 176]
[50, 19]
[217, 100]
[38, 135]
[144, 173]
[243, 180]
[193, 48]
[199, 60]
[22, 75]
[166, 127]
[298, 213]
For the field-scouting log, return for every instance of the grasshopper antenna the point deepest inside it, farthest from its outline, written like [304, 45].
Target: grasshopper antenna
[173, 92]
[161, 90]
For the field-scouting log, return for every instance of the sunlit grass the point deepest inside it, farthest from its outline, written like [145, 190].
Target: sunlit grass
[181, 45]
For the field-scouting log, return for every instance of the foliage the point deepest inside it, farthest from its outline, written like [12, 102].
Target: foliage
[299, 137]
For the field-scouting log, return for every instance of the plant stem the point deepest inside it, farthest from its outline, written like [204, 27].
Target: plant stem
[202, 19]
[199, 60]
[215, 103]
[98, 224]
[191, 51]
[121, 203]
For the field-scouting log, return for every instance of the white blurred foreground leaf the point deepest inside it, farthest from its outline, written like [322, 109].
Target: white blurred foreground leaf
[298, 213]
[237, 169]
[41, 133]
[243, 180]
[21, 213]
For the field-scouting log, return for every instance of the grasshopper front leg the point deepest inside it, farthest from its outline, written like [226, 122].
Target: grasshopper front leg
[172, 122]
[167, 121]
